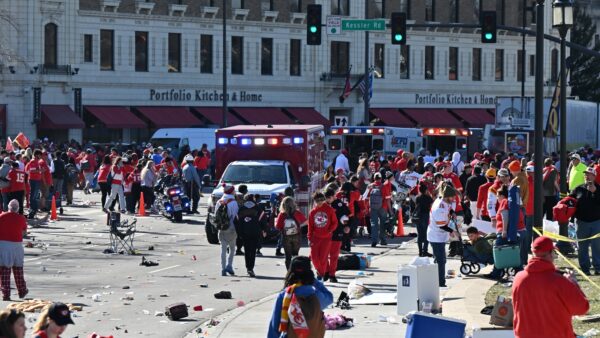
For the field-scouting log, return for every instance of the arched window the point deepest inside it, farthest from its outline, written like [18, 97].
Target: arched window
[554, 65]
[51, 44]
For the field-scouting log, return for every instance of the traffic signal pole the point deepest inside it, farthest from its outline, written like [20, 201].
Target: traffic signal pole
[367, 77]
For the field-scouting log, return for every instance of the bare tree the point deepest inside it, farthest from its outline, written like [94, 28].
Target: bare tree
[8, 55]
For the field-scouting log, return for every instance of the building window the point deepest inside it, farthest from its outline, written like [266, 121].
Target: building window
[453, 61]
[88, 48]
[51, 45]
[340, 7]
[141, 51]
[476, 64]
[380, 59]
[174, 53]
[554, 66]
[476, 10]
[296, 6]
[237, 55]
[405, 8]
[429, 62]
[429, 10]
[404, 62]
[380, 6]
[499, 64]
[531, 65]
[107, 49]
[500, 9]
[295, 56]
[266, 5]
[266, 59]
[520, 65]
[454, 15]
[206, 54]
[340, 57]
[237, 4]
[533, 13]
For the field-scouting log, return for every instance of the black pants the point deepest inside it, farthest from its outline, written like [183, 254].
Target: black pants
[136, 190]
[549, 203]
[148, 196]
[422, 225]
[105, 190]
[130, 201]
[250, 243]
[191, 190]
[19, 196]
[239, 243]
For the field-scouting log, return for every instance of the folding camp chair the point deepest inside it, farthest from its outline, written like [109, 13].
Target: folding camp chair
[121, 237]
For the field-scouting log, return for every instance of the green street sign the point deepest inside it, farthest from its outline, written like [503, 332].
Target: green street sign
[363, 25]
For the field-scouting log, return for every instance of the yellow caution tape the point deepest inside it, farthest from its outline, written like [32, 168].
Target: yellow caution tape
[567, 239]
[586, 277]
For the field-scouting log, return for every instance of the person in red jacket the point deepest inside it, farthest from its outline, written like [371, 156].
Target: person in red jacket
[450, 175]
[103, 173]
[544, 300]
[322, 221]
[88, 167]
[18, 180]
[46, 180]
[35, 181]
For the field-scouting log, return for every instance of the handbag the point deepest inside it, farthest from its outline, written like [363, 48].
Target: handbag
[507, 256]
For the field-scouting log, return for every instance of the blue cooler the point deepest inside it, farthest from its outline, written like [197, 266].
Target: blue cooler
[507, 256]
[424, 325]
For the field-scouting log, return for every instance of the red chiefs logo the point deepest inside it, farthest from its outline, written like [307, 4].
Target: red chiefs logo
[321, 219]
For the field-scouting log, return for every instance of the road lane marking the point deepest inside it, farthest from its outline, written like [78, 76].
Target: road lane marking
[167, 268]
[59, 253]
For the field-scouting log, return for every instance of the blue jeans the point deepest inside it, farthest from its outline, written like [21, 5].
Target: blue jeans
[5, 201]
[585, 230]
[378, 219]
[33, 194]
[439, 252]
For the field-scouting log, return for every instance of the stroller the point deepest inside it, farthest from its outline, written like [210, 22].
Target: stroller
[471, 264]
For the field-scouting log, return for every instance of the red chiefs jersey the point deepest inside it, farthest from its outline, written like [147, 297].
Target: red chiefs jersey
[17, 179]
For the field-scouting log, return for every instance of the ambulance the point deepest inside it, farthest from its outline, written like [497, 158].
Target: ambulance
[268, 159]
[365, 139]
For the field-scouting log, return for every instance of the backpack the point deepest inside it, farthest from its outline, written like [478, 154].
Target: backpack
[222, 216]
[375, 197]
[59, 169]
[290, 226]
[455, 167]
[564, 210]
[85, 165]
[72, 174]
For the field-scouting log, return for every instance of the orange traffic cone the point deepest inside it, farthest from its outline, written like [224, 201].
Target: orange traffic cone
[53, 215]
[142, 209]
[400, 227]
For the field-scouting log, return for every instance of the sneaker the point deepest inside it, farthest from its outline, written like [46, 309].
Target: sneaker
[427, 254]
[6, 298]
[332, 279]
[230, 271]
[278, 253]
[223, 273]
[258, 253]
[22, 295]
[374, 244]
[326, 277]
[239, 253]
[251, 273]
[383, 242]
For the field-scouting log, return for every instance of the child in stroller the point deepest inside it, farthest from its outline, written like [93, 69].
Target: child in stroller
[478, 250]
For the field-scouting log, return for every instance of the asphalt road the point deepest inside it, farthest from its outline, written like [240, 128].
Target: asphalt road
[68, 264]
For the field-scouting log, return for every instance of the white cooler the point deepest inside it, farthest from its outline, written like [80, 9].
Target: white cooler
[417, 283]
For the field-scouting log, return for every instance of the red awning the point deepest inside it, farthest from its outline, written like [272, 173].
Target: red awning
[215, 116]
[170, 117]
[476, 118]
[309, 116]
[59, 117]
[433, 118]
[115, 117]
[264, 115]
[392, 117]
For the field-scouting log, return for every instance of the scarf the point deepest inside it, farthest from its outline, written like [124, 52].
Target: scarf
[285, 306]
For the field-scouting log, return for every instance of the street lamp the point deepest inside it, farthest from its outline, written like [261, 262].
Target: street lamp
[562, 15]
[539, 117]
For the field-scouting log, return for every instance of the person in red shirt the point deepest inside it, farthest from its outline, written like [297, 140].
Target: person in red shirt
[322, 221]
[46, 180]
[544, 300]
[167, 166]
[103, 173]
[502, 216]
[18, 181]
[402, 163]
[12, 229]
[88, 167]
[35, 181]
[201, 162]
[450, 175]
[482, 196]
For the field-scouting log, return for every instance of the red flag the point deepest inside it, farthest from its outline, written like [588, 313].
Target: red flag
[347, 87]
[22, 141]
[9, 145]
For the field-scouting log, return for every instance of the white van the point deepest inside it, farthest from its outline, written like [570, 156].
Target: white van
[177, 138]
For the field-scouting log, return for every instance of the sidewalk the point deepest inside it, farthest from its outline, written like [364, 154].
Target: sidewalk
[464, 300]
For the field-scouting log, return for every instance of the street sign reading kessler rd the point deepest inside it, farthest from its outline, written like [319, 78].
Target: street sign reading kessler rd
[363, 25]
[334, 25]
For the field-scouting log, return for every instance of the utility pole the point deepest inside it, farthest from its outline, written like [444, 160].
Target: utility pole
[538, 197]
[225, 63]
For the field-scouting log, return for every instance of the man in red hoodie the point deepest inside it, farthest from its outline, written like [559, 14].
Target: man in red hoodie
[544, 300]
[322, 221]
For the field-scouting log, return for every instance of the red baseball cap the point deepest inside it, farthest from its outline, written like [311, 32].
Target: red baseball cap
[542, 244]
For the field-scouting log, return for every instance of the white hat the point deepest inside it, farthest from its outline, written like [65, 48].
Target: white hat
[576, 156]
[228, 188]
[530, 169]
[503, 172]
[188, 158]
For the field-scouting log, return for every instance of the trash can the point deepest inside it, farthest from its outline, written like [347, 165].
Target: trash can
[417, 283]
[424, 325]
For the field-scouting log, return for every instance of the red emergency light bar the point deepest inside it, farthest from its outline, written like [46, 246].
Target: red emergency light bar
[446, 132]
[360, 130]
[260, 140]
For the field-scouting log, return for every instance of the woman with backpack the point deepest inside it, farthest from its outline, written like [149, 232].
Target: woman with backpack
[72, 177]
[290, 221]
[249, 224]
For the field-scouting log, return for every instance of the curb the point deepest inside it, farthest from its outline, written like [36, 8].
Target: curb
[227, 317]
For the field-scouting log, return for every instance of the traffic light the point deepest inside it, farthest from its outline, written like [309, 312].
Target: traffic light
[488, 27]
[398, 25]
[313, 24]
